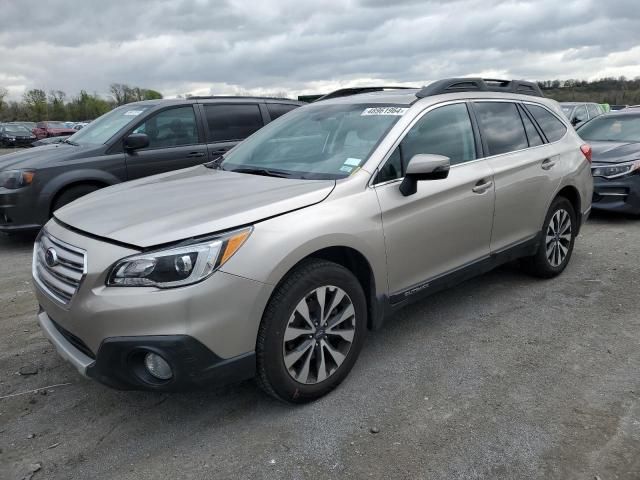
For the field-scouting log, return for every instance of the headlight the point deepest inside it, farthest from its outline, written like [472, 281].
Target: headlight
[615, 170]
[177, 266]
[13, 179]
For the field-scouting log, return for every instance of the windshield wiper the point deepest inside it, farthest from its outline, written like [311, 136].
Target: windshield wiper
[216, 163]
[262, 171]
[70, 142]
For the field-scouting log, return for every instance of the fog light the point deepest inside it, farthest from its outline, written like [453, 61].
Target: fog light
[157, 366]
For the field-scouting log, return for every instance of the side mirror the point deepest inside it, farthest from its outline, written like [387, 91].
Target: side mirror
[424, 167]
[575, 121]
[136, 141]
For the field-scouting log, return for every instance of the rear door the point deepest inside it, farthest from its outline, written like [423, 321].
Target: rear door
[446, 224]
[523, 171]
[227, 124]
[176, 141]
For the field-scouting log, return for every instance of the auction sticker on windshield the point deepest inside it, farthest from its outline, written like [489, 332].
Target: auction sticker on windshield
[133, 113]
[384, 111]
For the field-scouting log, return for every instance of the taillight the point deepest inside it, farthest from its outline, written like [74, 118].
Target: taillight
[586, 151]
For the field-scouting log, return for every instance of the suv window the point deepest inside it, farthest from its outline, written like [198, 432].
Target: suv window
[278, 109]
[553, 128]
[580, 115]
[232, 122]
[532, 134]
[594, 111]
[444, 131]
[171, 128]
[501, 127]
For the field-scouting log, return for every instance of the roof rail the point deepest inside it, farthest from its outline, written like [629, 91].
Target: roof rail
[215, 97]
[453, 85]
[345, 92]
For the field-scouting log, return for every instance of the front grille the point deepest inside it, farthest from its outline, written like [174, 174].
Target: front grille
[61, 275]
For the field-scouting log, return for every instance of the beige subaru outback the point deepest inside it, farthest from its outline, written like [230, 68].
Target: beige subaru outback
[275, 259]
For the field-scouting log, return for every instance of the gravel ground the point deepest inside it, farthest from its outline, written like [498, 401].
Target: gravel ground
[502, 377]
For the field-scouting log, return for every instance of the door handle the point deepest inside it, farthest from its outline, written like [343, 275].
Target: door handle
[548, 164]
[195, 155]
[482, 186]
[219, 151]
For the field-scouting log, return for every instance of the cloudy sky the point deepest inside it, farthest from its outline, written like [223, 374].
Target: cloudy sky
[297, 46]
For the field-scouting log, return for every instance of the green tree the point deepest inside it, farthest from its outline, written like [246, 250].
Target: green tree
[36, 104]
[57, 107]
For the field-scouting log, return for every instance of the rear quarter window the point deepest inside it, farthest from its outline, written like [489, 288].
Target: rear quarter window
[276, 110]
[552, 128]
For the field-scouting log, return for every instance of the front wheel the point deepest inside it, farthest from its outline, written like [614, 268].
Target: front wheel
[311, 332]
[557, 239]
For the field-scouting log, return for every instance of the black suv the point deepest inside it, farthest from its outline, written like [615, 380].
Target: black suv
[129, 142]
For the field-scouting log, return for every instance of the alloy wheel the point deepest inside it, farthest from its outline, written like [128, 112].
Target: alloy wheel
[558, 238]
[319, 334]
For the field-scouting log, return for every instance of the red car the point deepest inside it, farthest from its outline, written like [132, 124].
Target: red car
[51, 129]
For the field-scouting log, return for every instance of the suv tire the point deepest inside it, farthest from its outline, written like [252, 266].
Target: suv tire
[71, 194]
[557, 239]
[322, 343]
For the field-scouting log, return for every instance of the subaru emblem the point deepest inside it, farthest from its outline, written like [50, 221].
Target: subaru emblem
[51, 258]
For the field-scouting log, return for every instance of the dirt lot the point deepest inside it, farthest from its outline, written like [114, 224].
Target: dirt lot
[503, 377]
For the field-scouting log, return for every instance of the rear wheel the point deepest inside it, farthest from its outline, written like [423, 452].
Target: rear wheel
[556, 246]
[71, 194]
[311, 332]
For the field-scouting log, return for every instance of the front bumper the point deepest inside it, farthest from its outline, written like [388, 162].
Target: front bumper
[119, 362]
[18, 211]
[618, 194]
[206, 331]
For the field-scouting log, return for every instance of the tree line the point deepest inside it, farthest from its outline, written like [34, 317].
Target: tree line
[614, 91]
[37, 105]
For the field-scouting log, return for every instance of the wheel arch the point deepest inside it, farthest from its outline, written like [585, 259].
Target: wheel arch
[67, 180]
[572, 194]
[357, 263]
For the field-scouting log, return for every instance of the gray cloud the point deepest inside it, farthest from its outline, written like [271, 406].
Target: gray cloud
[180, 46]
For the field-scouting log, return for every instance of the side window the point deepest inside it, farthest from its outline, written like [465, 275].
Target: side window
[444, 131]
[232, 122]
[553, 128]
[580, 114]
[532, 134]
[594, 111]
[276, 110]
[171, 128]
[501, 127]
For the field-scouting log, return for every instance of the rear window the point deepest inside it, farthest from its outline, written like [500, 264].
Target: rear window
[501, 127]
[278, 109]
[553, 128]
[232, 122]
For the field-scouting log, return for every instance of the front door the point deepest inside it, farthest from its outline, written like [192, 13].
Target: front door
[174, 143]
[446, 224]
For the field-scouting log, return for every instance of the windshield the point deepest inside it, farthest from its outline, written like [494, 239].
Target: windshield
[17, 130]
[617, 128]
[322, 141]
[567, 109]
[103, 128]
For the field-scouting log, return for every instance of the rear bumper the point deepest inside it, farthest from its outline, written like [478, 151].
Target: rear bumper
[617, 195]
[119, 362]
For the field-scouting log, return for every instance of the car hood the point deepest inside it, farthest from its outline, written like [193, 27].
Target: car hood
[614, 152]
[188, 203]
[45, 155]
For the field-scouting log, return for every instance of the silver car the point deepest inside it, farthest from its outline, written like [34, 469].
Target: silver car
[275, 259]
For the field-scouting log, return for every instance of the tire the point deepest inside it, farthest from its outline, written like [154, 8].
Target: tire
[276, 371]
[556, 244]
[71, 194]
